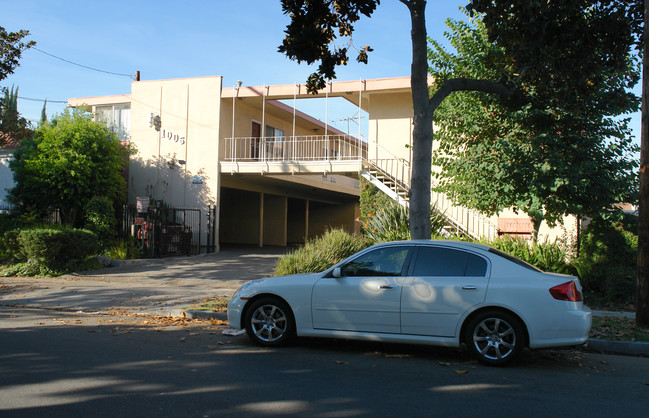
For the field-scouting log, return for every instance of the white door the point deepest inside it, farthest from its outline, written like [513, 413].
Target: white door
[444, 284]
[368, 295]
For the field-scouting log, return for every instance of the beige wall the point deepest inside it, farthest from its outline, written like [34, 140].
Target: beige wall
[240, 217]
[171, 168]
[323, 216]
[390, 124]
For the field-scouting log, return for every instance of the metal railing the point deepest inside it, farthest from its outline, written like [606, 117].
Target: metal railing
[465, 220]
[294, 148]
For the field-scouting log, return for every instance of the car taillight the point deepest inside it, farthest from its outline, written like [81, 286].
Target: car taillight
[566, 291]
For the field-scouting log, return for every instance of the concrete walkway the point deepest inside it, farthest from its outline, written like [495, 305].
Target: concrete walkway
[166, 287]
[149, 286]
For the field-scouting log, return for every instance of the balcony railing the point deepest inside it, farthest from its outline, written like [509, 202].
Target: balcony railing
[294, 148]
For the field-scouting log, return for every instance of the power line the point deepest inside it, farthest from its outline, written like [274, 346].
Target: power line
[81, 65]
[42, 100]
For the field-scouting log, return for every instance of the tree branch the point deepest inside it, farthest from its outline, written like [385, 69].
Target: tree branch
[467, 84]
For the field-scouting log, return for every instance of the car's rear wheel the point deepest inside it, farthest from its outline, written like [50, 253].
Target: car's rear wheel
[495, 337]
[269, 322]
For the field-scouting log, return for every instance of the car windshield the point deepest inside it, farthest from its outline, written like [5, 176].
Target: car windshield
[514, 260]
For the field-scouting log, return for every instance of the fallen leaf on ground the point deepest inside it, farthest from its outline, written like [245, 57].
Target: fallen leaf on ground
[461, 371]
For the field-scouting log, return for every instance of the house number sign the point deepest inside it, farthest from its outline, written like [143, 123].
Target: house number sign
[171, 136]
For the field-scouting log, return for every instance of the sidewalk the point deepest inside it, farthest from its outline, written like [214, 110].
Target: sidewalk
[165, 287]
[147, 286]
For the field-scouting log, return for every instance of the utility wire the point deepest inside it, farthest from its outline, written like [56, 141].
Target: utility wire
[42, 100]
[83, 66]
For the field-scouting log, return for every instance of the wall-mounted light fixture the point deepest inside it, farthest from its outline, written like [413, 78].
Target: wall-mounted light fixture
[155, 122]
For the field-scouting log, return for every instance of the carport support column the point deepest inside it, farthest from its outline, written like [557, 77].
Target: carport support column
[306, 222]
[261, 219]
[285, 238]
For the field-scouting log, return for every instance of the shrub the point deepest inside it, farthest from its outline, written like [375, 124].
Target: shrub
[550, 257]
[53, 251]
[321, 253]
[607, 259]
[392, 223]
[124, 249]
[100, 219]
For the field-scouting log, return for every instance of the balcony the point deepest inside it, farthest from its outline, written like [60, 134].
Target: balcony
[293, 154]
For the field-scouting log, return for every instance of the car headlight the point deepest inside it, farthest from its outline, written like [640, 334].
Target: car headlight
[242, 289]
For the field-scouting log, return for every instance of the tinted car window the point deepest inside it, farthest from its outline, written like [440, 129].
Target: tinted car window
[436, 261]
[382, 262]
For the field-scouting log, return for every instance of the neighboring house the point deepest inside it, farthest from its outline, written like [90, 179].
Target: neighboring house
[10, 145]
[275, 175]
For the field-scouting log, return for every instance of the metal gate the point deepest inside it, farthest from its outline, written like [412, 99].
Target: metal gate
[163, 231]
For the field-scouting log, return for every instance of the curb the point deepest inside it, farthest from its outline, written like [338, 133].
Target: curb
[619, 347]
[191, 314]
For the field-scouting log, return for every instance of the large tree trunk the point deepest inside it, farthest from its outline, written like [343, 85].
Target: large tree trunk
[424, 107]
[642, 310]
[422, 144]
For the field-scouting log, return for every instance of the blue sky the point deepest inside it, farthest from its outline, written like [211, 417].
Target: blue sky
[236, 39]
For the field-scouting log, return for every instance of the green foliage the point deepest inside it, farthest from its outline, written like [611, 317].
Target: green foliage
[607, 260]
[382, 219]
[550, 257]
[314, 29]
[11, 49]
[321, 253]
[100, 219]
[124, 249]
[558, 146]
[52, 251]
[371, 200]
[70, 160]
[392, 223]
[12, 125]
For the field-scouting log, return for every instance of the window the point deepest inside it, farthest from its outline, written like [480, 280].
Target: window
[438, 261]
[382, 262]
[117, 118]
[274, 143]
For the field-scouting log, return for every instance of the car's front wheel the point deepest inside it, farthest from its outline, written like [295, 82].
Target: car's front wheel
[494, 337]
[269, 322]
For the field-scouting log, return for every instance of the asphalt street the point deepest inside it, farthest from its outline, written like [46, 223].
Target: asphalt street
[62, 364]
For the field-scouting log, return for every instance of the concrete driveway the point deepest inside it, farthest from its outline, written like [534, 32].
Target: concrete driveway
[151, 286]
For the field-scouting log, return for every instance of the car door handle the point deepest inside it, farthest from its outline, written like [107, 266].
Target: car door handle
[386, 287]
[468, 287]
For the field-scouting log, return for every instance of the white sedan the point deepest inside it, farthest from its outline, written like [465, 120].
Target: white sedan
[424, 292]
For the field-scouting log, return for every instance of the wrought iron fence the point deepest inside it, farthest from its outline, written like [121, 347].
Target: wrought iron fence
[163, 231]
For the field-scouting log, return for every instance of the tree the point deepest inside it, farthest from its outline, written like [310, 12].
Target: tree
[70, 160]
[43, 120]
[642, 305]
[11, 123]
[11, 49]
[544, 152]
[509, 25]
[310, 36]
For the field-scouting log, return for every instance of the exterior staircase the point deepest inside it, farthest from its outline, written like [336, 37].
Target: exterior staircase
[391, 175]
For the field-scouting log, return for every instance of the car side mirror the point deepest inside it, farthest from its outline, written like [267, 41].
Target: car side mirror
[336, 273]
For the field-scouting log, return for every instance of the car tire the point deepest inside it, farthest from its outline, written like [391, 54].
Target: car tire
[269, 322]
[494, 337]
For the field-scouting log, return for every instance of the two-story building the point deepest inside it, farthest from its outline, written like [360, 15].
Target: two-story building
[274, 174]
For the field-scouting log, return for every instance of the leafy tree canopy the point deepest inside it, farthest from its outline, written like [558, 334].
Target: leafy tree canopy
[11, 49]
[558, 146]
[68, 162]
[313, 28]
[12, 125]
